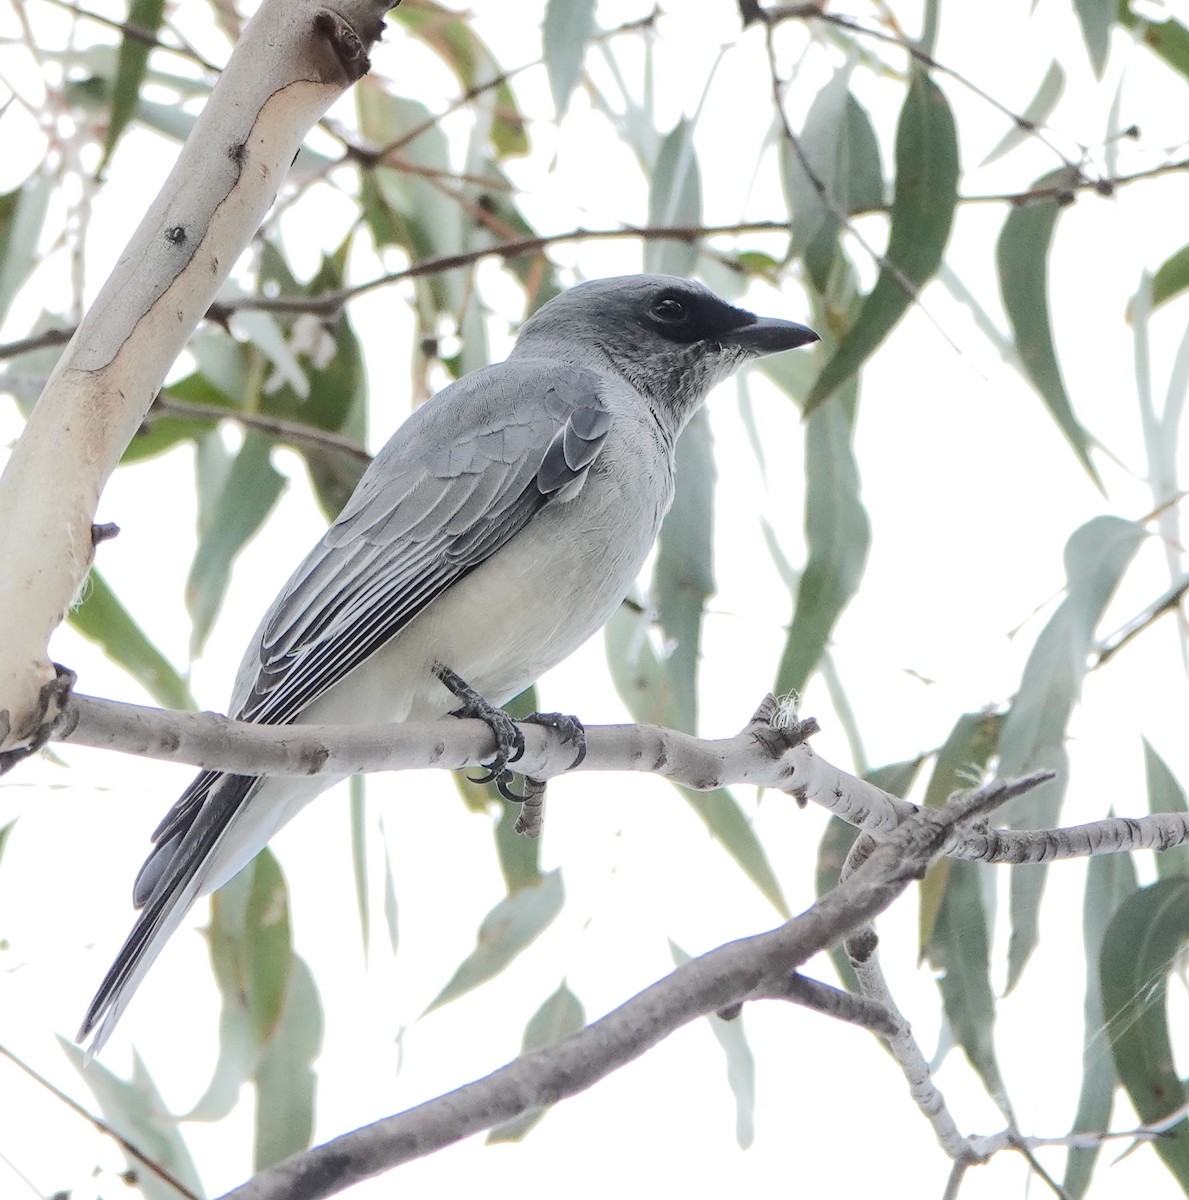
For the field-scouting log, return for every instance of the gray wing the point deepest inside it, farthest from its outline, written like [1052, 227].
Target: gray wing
[464, 474]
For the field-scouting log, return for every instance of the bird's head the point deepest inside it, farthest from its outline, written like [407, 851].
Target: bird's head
[672, 339]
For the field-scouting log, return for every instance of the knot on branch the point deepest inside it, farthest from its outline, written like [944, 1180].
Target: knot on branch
[52, 717]
[776, 727]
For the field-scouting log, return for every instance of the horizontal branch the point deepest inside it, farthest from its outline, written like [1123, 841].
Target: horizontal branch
[763, 754]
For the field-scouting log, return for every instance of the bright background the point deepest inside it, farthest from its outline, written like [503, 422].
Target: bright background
[972, 494]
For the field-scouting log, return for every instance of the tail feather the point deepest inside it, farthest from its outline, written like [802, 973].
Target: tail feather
[179, 880]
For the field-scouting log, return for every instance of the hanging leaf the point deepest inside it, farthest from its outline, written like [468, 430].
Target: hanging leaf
[647, 690]
[959, 948]
[1171, 278]
[1022, 255]
[246, 497]
[837, 536]
[467, 55]
[1139, 950]
[837, 172]
[22, 217]
[1096, 18]
[1165, 795]
[147, 16]
[1110, 879]
[926, 192]
[135, 1110]
[1168, 40]
[560, 1015]
[286, 1084]
[960, 764]
[683, 577]
[511, 927]
[101, 618]
[565, 34]
[674, 199]
[1033, 734]
[741, 1067]
[1036, 112]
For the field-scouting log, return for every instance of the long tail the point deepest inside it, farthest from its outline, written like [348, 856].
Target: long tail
[177, 876]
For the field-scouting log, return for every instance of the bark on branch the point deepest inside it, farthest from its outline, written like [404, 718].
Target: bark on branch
[724, 977]
[770, 751]
[295, 58]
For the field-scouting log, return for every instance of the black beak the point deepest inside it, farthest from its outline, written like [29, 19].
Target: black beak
[769, 335]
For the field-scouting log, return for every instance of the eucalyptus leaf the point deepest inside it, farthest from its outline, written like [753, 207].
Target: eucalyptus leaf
[925, 195]
[101, 617]
[507, 930]
[1110, 879]
[566, 30]
[1022, 254]
[146, 15]
[1139, 950]
[1033, 734]
[559, 1015]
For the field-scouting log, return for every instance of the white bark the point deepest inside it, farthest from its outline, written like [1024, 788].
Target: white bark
[295, 58]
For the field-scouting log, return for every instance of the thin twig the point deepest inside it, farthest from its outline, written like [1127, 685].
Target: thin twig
[128, 1147]
[290, 431]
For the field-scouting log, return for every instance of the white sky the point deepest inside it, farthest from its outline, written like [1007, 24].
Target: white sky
[971, 492]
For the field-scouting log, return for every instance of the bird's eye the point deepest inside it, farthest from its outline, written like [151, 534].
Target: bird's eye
[670, 310]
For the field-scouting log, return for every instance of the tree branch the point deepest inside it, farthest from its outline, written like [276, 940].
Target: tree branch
[295, 58]
[762, 754]
[704, 985]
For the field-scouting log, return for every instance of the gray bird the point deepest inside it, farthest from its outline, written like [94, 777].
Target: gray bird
[502, 524]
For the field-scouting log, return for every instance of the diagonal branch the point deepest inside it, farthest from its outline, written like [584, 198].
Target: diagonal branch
[717, 980]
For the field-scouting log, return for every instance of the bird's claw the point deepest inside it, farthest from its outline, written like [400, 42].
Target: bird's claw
[509, 741]
[569, 729]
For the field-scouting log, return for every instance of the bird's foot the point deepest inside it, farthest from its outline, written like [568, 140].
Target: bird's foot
[569, 729]
[509, 741]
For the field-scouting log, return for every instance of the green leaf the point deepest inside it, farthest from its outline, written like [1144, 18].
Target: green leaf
[960, 764]
[1022, 255]
[837, 535]
[1171, 278]
[560, 1015]
[683, 577]
[473, 64]
[1036, 112]
[840, 152]
[135, 1110]
[1033, 735]
[741, 1066]
[357, 820]
[1139, 950]
[1110, 879]
[1165, 795]
[1096, 18]
[286, 1084]
[236, 511]
[926, 191]
[253, 961]
[511, 926]
[1168, 40]
[675, 198]
[102, 618]
[251, 944]
[646, 689]
[960, 949]
[22, 217]
[130, 73]
[832, 850]
[566, 30]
